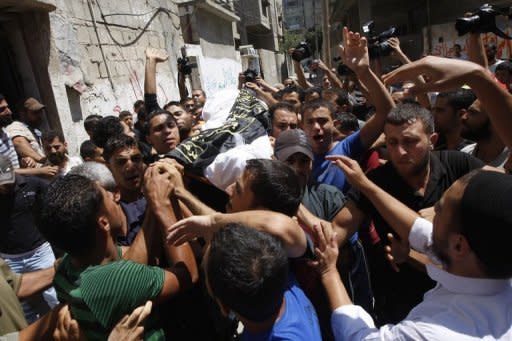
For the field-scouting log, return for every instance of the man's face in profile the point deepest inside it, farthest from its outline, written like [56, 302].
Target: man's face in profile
[241, 197]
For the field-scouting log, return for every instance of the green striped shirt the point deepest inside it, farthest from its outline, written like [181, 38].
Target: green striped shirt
[99, 296]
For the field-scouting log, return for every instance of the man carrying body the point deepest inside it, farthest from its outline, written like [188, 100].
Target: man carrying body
[79, 216]
[125, 161]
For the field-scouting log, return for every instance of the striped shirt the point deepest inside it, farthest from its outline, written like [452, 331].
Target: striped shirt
[7, 148]
[99, 296]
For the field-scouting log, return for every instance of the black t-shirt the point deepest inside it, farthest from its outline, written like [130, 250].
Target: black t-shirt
[402, 290]
[18, 230]
[324, 201]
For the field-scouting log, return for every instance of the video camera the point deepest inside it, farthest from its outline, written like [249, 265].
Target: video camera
[481, 21]
[301, 52]
[250, 75]
[184, 65]
[378, 45]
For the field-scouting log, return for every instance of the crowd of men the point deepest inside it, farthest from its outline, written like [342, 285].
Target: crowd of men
[382, 214]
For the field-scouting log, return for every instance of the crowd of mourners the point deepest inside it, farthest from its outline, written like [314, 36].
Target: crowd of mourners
[382, 212]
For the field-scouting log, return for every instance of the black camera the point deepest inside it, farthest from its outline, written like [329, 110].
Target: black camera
[301, 52]
[184, 66]
[378, 45]
[250, 75]
[482, 21]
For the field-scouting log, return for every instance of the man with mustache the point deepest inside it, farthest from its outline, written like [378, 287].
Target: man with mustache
[56, 150]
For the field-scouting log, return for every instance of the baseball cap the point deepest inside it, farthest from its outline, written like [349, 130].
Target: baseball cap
[290, 142]
[33, 104]
[6, 171]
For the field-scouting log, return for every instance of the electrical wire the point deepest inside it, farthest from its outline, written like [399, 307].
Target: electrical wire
[144, 29]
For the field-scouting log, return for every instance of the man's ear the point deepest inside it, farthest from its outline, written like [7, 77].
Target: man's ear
[459, 247]
[103, 223]
[433, 139]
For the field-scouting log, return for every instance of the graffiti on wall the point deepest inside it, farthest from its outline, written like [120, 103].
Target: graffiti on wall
[444, 37]
[219, 74]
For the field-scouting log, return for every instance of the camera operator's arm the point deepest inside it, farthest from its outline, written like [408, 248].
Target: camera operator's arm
[153, 57]
[264, 85]
[476, 50]
[181, 84]
[335, 81]
[423, 98]
[355, 56]
[297, 67]
[263, 95]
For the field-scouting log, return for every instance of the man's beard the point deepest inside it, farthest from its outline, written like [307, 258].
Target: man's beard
[5, 121]
[57, 159]
[476, 134]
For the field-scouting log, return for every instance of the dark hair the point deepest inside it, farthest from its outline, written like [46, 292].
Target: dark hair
[152, 115]
[247, 270]
[173, 103]
[50, 135]
[347, 121]
[2, 97]
[409, 113]
[118, 142]
[124, 114]
[186, 99]
[87, 149]
[292, 89]
[314, 89]
[68, 213]
[483, 214]
[458, 99]
[505, 66]
[275, 185]
[106, 128]
[319, 103]
[90, 122]
[138, 103]
[282, 106]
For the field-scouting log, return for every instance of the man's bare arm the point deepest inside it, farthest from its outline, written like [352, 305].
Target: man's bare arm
[23, 148]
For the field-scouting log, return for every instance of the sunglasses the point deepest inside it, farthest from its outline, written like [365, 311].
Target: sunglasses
[4, 108]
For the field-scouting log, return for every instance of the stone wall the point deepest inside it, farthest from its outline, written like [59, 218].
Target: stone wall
[93, 73]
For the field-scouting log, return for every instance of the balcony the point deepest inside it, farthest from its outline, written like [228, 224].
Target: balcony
[220, 8]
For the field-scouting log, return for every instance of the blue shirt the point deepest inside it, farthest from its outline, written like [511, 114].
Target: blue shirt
[325, 172]
[298, 322]
[134, 212]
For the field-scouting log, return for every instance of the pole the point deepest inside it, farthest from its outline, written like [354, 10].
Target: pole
[326, 33]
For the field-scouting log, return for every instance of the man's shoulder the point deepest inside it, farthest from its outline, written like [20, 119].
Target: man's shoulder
[17, 128]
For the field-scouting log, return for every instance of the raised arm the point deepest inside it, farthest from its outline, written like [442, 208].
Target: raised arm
[157, 190]
[446, 74]
[279, 225]
[354, 53]
[335, 81]
[35, 282]
[153, 57]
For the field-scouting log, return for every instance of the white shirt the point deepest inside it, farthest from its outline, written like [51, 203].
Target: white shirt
[498, 162]
[458, 308]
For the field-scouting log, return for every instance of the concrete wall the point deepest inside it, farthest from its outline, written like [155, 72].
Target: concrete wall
[215, 35]
[106, 83]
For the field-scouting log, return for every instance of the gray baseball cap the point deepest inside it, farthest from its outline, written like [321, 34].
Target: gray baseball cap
[290, 142]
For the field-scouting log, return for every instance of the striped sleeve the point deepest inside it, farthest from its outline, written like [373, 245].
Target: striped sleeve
[113, 290]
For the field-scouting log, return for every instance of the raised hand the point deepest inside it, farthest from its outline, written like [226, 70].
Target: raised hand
[397, 251]
[354, 51]
[190, 228]
[131, 327]
[326, 248]
[351, 168]
[156, 54]
[157, 186]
